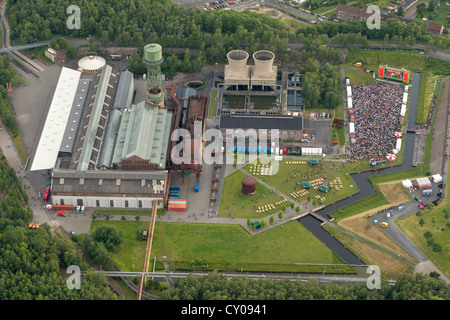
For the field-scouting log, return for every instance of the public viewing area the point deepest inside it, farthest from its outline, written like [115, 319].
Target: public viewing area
[376, 119]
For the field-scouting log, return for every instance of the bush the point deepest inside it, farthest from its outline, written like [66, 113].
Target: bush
[428, 234]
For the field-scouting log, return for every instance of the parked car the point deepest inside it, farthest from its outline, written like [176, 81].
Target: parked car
[421, 206]
[61, 214]
[384, 224]
[388, 216]
[400, 208]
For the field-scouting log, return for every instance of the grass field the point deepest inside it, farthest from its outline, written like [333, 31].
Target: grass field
[18, 143]
[358, 75]
[131, 256]
[241, 206]
[290, 177]
[390, 267]
[230, 247]
[413, 61]
[428, 83]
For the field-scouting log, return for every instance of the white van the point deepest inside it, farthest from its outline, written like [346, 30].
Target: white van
[144, 76]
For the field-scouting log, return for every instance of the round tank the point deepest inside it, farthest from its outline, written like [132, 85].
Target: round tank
[237, 59]
[263, 61]
[153, 53]
[249, 186]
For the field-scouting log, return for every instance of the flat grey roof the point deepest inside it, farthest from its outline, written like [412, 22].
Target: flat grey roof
[282, 122]
[124, 86]
[76, 113]
[105, 182]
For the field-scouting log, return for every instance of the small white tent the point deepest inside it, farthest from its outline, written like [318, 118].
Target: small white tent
[407, 184]
[437, 178]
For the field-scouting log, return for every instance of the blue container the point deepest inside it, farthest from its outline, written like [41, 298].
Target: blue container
[174, 188]
[197, 187]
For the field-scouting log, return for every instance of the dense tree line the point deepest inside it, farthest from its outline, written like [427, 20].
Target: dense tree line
[218, 287]
[8, 75]
[321, 82]
[392, 29]
[32, 260]
[138, 22]
[13, 199]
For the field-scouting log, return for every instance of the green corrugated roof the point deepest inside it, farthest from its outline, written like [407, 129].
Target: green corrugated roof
[144, 131]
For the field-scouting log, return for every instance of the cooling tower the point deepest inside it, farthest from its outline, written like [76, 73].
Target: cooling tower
[237, 72]
[263, 61]
[263, 73]
[237, 60]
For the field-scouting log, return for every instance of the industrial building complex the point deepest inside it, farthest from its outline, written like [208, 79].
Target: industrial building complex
[103, 149]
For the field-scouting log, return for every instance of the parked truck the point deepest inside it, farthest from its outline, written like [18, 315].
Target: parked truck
[62, 207]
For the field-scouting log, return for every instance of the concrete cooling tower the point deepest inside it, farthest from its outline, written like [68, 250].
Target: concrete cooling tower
[237, 72]
[263, 73]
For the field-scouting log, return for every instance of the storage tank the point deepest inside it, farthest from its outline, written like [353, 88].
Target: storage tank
[153, 58]
[249, 186]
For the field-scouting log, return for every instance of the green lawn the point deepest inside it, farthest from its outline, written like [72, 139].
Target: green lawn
[231, 247]
[427, 88]
[132, 252]
[18, 143]
[212, 99]
[442, 12]
[289, 177]
[240, 205]
[413, 61]
[435, 222]
[357, 74]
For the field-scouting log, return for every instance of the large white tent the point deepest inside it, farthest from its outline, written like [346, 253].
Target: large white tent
[423, 182]
[403, 110]
[405, 97]
[352, 127]
[398, 145]
[56, 121]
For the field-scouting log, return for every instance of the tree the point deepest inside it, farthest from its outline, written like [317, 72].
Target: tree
[280, 215]
[263, 223]
[71, 52]
[137, 218]
[249, 222]
[428, 234]
[297, 209]
[104, 39]
[400, 11]
[421, 222]
[437, 247]
[109, 236]
[271, 220]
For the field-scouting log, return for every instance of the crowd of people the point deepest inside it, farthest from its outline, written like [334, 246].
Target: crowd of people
[376, 115]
